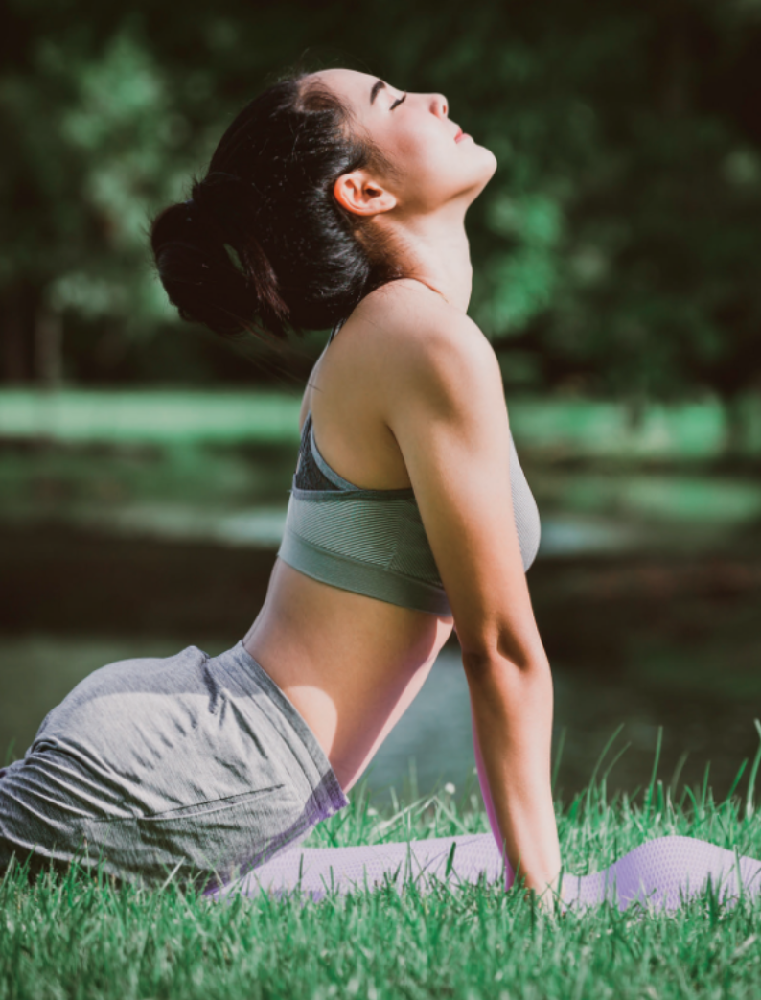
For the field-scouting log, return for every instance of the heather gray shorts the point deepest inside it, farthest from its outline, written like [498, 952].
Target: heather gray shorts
[189, 762]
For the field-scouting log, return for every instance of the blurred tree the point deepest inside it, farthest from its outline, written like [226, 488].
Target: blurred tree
[615, 250]
[626, 226]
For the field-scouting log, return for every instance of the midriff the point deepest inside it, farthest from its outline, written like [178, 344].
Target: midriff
[350, 664]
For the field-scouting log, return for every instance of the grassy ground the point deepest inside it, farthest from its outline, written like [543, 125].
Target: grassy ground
[69, 936]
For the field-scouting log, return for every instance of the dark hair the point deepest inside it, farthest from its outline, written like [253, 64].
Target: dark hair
[263, 238]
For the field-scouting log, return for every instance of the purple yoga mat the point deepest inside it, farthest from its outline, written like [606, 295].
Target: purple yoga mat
[656, 873]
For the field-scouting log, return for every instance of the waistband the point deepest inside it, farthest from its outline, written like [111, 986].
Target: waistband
[328, 795]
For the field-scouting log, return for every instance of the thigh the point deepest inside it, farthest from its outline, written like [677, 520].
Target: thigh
[206, 842]
[37, 830]
[185, 764]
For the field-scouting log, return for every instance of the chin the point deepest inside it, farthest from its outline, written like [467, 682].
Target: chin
[492, 160]
[487, 171]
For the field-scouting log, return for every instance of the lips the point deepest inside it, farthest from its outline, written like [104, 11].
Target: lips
[459, 135]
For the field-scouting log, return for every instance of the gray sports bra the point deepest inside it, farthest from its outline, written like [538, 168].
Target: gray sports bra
[373, 541]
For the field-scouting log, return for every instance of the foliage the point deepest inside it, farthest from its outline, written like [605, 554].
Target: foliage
[615, 250]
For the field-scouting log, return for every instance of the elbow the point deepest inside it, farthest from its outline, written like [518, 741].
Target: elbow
[499, 633]
[483, 657]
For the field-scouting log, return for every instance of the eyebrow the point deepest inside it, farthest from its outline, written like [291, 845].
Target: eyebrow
[376, 87]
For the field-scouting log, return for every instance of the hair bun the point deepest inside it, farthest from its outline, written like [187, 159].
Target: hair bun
[263, 244]
[211, 276]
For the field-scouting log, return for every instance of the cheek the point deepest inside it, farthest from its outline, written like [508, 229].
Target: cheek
[424, 151]
[408, 144]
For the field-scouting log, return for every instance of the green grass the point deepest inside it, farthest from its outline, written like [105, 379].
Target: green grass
[72, 936]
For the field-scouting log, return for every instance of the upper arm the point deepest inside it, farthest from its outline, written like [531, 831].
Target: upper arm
[446, 408]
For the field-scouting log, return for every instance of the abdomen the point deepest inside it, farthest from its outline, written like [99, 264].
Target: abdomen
[350, 664]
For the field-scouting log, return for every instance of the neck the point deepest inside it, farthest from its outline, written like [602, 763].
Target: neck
[437, 253]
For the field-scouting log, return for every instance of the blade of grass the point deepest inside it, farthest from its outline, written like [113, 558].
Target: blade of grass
[600, 759]
[558, 758]
[646, 810]
[749, 807]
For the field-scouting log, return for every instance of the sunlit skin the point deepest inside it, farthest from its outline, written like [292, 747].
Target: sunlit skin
[351, 664]
[436, 178]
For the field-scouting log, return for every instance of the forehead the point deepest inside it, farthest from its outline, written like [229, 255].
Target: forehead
[348, 83]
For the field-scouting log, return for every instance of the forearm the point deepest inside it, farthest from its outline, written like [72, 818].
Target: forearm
[512, 737]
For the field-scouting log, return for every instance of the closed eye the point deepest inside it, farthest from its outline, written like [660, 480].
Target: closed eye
[398, 102]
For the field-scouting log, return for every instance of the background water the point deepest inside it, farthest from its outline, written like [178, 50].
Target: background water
[137, 523]
[155, 527]
[432, 744]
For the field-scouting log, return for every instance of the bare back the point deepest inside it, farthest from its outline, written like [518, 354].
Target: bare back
[349, 663]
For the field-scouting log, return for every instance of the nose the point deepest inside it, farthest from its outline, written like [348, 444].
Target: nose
[439, 105]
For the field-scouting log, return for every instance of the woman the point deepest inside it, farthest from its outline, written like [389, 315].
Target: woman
[334, 199]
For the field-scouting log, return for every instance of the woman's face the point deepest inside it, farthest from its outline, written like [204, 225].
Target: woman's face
[435, 162]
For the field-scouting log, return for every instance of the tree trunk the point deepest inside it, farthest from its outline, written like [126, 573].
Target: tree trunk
[48, 338]
[16, 365]
[736, 425]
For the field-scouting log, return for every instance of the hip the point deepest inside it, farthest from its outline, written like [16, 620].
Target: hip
[192, 759]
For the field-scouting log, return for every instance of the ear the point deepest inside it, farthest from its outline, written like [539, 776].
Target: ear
[362, 195]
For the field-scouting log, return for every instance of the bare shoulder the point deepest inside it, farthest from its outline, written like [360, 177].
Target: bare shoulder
[415, 319]
[421, 345]
[442, 398]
